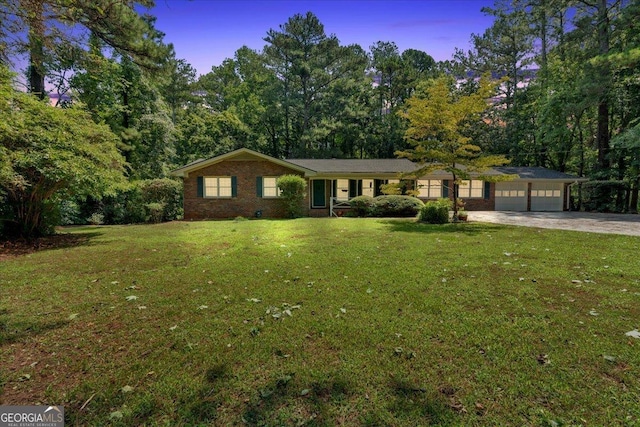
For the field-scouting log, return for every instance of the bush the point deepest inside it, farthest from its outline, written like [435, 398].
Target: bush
[361, 205]
[396, 206]
[96, 218]
[140, 201]
[155, 212]
[604, 196]
[292, 191]
[167, 192]
[70, 213]
[436, 211]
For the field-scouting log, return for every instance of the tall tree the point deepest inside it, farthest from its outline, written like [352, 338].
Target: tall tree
[39, 26]
[307, 63]
[440, 119]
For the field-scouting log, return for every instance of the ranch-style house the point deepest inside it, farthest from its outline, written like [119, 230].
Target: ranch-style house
[243, 183]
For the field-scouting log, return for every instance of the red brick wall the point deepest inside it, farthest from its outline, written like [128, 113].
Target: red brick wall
[246, 203]
[477, 204]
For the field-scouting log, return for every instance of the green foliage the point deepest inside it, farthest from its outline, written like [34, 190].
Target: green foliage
[155, 212]
[436, 211]
[292, 192]
[50, 154]
[152, 200]
[439, 120]
[396, 206]
[601, 196]
[361, 205]
[168, 193]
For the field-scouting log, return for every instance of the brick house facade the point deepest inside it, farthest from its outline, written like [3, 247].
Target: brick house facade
[242, 183]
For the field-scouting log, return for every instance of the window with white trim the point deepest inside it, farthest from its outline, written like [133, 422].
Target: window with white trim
[471, 189]
[269, 187]
[342, 189]
[217, 186]
[430, 188]
[368, 187]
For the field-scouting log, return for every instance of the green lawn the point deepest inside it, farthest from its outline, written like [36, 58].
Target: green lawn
[325, 322]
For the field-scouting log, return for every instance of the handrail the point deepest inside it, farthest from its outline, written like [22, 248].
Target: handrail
[335, 203]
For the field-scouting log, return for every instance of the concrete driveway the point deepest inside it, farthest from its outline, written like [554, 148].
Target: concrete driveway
[578, 221]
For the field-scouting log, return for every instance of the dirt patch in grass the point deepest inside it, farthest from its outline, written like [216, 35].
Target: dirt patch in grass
[21, 247]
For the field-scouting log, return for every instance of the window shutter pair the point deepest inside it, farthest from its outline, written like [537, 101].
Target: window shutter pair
[234, 186]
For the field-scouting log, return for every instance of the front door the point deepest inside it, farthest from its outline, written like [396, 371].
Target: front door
[318, 193]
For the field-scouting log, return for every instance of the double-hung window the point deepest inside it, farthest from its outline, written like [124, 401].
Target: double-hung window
[269, 187]
[471, 189]
[217, 186]
[430, 188]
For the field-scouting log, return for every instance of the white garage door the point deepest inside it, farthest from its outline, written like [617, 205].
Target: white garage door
[546, 196]
[511, 196]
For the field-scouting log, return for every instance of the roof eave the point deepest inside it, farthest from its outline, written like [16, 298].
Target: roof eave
[185, 170]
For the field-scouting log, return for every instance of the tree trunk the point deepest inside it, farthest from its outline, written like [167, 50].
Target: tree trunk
[635, 189]
[602, 135]
[36, 50]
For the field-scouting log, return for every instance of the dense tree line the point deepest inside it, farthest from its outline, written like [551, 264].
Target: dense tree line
[568, 97]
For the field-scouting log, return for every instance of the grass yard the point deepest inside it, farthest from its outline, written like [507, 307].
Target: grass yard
[325, 322]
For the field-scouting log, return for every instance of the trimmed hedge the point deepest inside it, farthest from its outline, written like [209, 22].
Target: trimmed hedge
[361, 205]
[436, 211]
[395, 206]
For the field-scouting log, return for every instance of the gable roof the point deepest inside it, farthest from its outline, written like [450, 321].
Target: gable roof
[356, 166]
[239, 154]
[344, 168]
[534, 173]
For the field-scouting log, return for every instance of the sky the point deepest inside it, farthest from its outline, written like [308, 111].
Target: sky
[205, 32]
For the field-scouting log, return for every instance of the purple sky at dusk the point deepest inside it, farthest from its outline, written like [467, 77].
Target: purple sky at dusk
[205, 32]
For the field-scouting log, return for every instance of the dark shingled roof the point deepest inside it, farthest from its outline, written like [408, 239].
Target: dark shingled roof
[355, 165]
[535, 173]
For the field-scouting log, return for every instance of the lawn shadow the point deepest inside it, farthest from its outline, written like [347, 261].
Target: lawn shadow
[412, 226]
[412, 402]
[20, 246]
[13, 332]
[285, 400]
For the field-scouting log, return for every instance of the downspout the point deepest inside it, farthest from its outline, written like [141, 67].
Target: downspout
[568, 195]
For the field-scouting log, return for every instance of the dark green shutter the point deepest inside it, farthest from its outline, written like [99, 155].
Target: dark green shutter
[200, 186]
[487, 190]
[445, 188]
[359, 188]
[353, 188]
[234, 186]
[259, 186]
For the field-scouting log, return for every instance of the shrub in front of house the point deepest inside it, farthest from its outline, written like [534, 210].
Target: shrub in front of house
[292, 191]
[361, 205]
[166, 192]
[395, 206]
[436, 211]
[152, 200]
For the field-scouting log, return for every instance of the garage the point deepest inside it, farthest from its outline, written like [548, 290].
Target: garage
[547, 196]
[511, 196]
